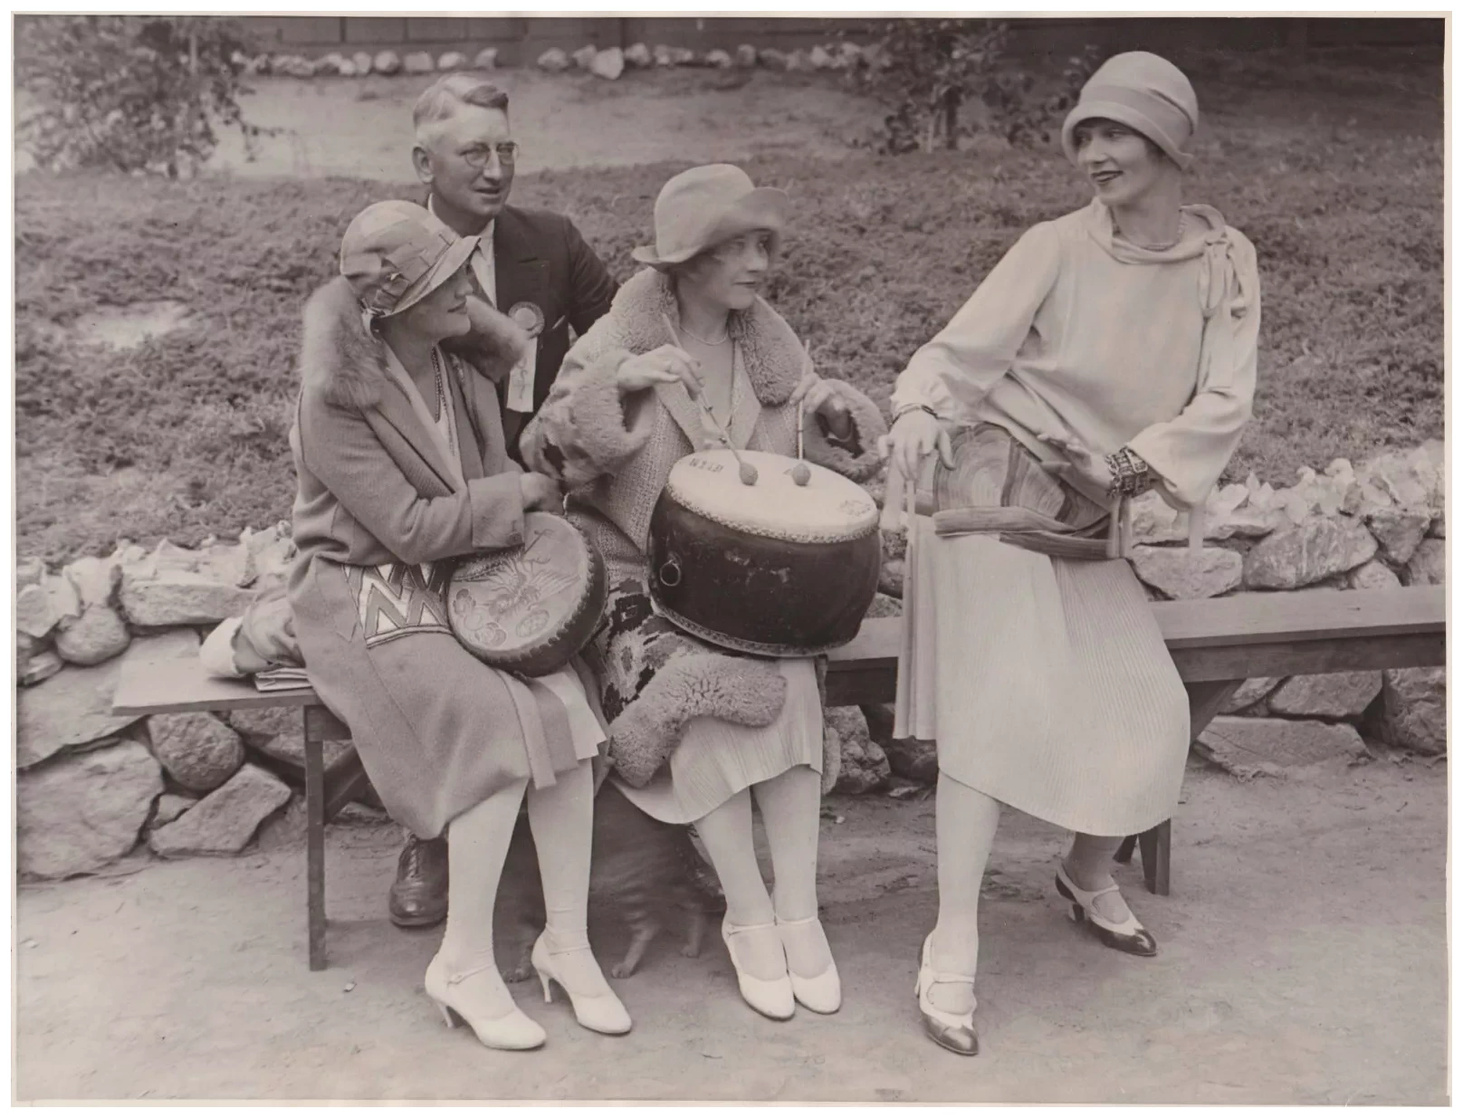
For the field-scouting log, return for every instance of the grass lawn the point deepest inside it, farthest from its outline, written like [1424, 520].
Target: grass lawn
[186, 435]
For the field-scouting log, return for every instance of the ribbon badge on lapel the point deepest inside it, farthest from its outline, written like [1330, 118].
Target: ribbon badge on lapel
[520, 381]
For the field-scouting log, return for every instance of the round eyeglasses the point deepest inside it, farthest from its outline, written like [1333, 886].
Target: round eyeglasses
[480, 155]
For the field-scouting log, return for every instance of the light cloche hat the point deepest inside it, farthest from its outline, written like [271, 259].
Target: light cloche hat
[700, 208]
[1147, 93]
[395, 254]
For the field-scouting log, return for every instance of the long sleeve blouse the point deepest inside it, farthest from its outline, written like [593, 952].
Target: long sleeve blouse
[1080, 333]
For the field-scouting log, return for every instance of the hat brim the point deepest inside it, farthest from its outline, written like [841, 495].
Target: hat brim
[762, 207]
[439, 273]
[1124, 115]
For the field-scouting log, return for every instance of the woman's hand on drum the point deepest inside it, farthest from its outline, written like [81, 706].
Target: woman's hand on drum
[913, 438]
[819, 397]
[665, 365]
[539, 491]
[1081, 464]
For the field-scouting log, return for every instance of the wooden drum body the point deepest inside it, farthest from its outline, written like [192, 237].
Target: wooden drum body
[530, 609]
[775, 568]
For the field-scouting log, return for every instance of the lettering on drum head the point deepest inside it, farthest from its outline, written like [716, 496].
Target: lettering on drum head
[704, 464]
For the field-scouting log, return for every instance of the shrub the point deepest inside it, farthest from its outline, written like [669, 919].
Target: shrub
[925, 70]
[129, 93]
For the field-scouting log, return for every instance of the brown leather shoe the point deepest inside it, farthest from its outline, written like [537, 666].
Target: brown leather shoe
[419, 894]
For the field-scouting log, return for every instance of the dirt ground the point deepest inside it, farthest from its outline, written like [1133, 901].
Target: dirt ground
[571, 120]
[1302, 960]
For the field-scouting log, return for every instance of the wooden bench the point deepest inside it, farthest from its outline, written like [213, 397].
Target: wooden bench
[1217, 644]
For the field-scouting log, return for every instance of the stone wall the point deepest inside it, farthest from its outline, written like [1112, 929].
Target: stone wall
[93, 786]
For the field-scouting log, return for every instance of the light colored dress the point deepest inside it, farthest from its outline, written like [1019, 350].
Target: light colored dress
[1045, 680]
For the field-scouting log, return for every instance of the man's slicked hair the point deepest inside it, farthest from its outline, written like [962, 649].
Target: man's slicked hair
[462, 87]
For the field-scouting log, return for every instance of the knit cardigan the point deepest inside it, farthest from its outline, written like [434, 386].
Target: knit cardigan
[614, 454]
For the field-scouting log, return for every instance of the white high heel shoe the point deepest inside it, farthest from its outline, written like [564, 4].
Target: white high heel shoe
[822, 994]
[600, 1013]
[955, 1032]
[771, 997]
[513, 1029]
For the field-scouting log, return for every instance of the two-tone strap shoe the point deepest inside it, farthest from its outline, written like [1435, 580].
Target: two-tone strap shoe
[1129, 935]
[954, 1032]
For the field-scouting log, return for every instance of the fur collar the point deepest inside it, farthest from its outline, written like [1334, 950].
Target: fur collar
[771, 353]
[348, 363]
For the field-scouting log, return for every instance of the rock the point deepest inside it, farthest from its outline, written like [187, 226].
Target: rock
[894, 545]
[95, 580]
[196, 749]
[683, 56]
[584, 56]
[225, 820]
[39, 608]
[909, 758]
[333, 63]
[292, 66]
[1307, 553]
[820, 59]
[83, 812]
[1415, 709]
[554, 60]
[1246, 746]
[39, 666]
[663, 55]
[1399, 531]
[268, 555]
[72, 708]
[798, 62]
[170, 807]
[166, 598]
[1182, 574]
[1409, 479]
[1250, 692]
[608, 64]
[864, 765]
[362, 62]
[772, 58]
[746, 56]
[347, 68]
[885, 606]
[29, 572]
[1156, 522]
[1336, 695]
[719, 59]
[452, 60]
[386, 62]
[891, 578]
[1372, 575]
[638, 55]
[418, 62]
[285, 829]
[277, 732]
[1429, 564]
[485, 59]
[97, 635]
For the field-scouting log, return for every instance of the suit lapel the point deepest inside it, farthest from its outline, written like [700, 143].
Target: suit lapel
[522, 273]
[685, 411]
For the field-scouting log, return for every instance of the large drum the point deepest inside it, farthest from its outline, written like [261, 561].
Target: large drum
[530, 609]
[775, 568]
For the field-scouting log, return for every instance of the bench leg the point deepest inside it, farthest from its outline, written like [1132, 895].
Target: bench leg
[1155, 846]
[315, 847]
[1125, 850]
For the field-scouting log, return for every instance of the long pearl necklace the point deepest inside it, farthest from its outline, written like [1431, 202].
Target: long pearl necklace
[442, 412]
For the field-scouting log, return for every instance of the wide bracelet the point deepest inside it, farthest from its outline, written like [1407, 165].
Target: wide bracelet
[1130, 474]
[907, 408]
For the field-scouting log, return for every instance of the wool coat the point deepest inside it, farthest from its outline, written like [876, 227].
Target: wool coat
[614, 456]
[378, 518]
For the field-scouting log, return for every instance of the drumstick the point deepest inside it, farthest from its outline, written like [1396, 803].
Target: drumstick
[748, 473]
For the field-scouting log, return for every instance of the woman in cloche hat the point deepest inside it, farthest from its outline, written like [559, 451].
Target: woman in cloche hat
[1110, 352]
[696, 734]
[398, 446]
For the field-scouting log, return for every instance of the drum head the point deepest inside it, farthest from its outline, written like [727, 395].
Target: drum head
[513, 607]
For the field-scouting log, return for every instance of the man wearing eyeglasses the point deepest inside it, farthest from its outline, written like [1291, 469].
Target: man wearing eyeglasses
[540, 272]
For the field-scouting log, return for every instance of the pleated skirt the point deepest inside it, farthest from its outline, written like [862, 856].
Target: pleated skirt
[717, 759]
[1044, 682]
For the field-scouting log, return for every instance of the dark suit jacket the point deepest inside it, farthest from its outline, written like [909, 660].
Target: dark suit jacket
[540, 257]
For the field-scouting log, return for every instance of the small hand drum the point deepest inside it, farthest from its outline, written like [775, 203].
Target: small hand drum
[530, 609]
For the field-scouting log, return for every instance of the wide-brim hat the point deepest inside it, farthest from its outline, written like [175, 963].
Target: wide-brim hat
[700, 208]
[395, 254]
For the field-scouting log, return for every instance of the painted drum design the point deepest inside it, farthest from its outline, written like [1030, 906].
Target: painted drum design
[529, 609]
